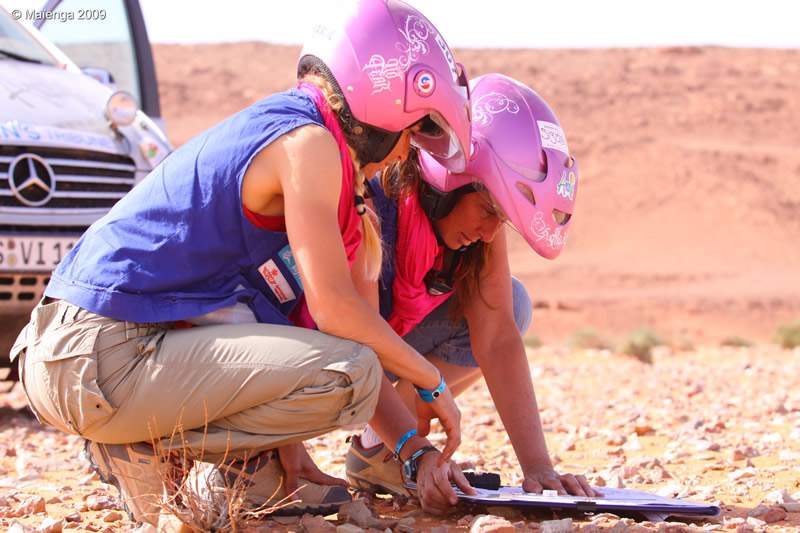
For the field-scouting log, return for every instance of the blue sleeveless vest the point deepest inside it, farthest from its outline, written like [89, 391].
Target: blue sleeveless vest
[178, 245]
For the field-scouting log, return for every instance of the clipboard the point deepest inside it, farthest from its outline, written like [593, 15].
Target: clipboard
[613, 501]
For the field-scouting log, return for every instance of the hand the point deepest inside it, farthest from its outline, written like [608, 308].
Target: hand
[297, 463]
[545, 477]
[434, 488]
[445, 409]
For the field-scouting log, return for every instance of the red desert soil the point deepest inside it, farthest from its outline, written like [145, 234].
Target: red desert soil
[688, 221]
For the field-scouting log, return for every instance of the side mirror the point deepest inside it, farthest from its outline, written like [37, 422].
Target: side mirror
[100, 74]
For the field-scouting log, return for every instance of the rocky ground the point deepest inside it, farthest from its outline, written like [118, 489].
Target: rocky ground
[713, 425]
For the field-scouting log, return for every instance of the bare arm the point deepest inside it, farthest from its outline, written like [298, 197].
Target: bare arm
[498, 349]
[500, 352]
[305, 166]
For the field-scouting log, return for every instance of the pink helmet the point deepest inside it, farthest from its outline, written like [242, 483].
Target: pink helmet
[394, 68]
[520, 155]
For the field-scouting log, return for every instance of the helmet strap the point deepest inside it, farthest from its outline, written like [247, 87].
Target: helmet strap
[438, 204]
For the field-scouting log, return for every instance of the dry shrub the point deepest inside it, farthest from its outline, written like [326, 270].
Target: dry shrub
[196, 494]
[736, 341]
[640, 344]
[588, 339]
[788, 335]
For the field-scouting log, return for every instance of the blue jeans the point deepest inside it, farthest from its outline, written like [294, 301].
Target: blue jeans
[438, 335]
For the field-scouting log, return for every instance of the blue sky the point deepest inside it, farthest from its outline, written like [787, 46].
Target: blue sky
[492, 23]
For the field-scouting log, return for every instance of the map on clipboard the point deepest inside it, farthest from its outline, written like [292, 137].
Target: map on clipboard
[613, 500]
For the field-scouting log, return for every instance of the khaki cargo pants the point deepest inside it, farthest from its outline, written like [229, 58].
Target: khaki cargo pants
[223, 389]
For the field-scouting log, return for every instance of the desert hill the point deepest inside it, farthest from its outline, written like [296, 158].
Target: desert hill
[688, 216]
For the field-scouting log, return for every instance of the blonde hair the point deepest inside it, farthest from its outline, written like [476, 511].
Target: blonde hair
[373, 246]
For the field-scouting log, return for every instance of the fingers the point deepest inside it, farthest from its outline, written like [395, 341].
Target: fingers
[572, 485]
[453, 442]
[461, 482]
[554, 484]
[531, 485]
[586, 487]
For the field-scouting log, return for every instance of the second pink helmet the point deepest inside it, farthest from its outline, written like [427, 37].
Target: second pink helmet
[394, 68]
[520, 156]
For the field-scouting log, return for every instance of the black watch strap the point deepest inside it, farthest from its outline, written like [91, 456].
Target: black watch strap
[410, 464]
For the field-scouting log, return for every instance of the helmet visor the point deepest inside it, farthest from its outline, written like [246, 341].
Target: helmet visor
[434, 135]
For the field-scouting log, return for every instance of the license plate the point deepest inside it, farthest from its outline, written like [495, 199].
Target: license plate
[37, 254]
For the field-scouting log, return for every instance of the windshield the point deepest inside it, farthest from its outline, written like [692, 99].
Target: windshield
[16, 44]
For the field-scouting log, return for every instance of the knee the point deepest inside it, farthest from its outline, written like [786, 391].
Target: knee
[523, 309]
[366, 386]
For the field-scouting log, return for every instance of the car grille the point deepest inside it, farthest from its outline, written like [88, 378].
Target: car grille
[82, 179]
[22, 287]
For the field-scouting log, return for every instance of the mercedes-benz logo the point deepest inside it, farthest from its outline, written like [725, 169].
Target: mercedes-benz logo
[31, 180]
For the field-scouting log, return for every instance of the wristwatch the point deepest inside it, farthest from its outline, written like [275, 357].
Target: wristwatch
[410, 464]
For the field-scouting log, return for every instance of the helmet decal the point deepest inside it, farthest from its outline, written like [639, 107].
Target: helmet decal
[424, 83]
[382, 71]
[491, 104]
[552, 136]
[541, 230]
[566, 185]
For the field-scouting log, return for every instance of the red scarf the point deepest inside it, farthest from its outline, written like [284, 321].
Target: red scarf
[416, 253]
[349, 219]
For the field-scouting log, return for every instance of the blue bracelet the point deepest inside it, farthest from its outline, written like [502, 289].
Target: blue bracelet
[402, 442]
[430, 395]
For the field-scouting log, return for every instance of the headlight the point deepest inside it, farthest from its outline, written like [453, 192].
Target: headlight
[121, 109]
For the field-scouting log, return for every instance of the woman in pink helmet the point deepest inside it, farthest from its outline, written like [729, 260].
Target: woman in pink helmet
[253, 237]
[445, 230]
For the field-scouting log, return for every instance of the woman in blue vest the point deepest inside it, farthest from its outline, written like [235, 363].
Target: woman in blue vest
[219, 310]
[444, 232]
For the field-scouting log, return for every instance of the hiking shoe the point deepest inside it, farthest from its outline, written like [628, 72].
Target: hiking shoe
[136, 471]
[262, 480]
[374, 469]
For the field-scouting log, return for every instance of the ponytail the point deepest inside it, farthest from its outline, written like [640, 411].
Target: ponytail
[373, 246]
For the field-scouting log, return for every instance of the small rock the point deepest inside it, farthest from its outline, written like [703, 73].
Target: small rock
[758, 511]
[778, 497]
[774, 514]
[50, 525]
[742, 473]
[99, 503]
[113, 516]
[509, 513]
[357, 512]
[491, 524]
[33, 504]
[54, 499]
[315, 524]
[17, 527]
[73, 517]
[348, 528]
[755, 522]
[557, 526]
